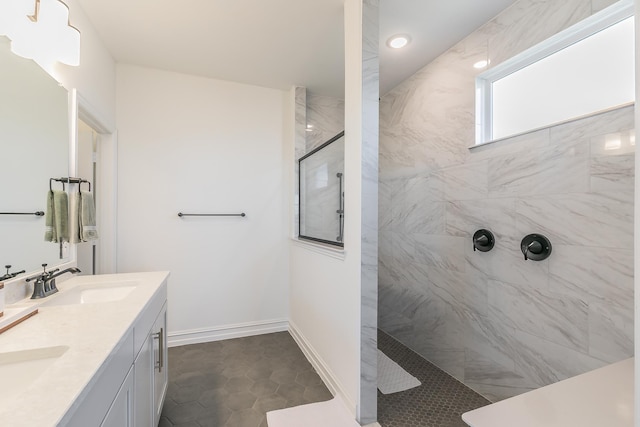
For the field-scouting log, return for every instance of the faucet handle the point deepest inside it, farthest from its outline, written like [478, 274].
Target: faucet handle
[40, 276]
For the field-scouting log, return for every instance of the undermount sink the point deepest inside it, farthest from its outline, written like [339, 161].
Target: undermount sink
[92, 294]
[19, 369]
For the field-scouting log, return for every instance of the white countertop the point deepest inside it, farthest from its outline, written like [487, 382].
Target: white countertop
[600, 398]
[91, 331]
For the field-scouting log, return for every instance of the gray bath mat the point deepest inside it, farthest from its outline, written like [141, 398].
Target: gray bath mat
[392, 378]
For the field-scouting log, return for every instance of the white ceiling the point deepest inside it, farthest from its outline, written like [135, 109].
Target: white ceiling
[277, 43]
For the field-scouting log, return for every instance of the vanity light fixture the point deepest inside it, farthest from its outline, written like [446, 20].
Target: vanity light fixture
[44, 34]
[481, 64]
[14, 16]
[398, 41]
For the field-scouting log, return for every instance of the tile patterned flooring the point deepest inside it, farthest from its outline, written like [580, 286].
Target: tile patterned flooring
[439, 402]
[234, 383]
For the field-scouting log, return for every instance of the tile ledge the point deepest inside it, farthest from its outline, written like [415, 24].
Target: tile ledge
[552, 125]
[337, 253]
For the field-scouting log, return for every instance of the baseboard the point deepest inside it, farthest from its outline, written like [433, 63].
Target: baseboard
[218, 333]
[321, 368]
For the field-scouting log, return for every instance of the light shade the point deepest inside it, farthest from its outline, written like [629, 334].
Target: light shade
[14, 16]
[45, 34]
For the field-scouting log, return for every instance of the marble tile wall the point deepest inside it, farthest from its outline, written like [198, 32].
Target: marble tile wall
[300, 143]
[369, 166]
[325, 115]
[498, 323]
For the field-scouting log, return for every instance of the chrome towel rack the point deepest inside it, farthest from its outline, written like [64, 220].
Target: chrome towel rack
[180, 214]
[69, 180]
[37, 213]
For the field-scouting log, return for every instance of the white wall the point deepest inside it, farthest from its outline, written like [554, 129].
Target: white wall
[190, 144]
[94, 78]
[327, 288]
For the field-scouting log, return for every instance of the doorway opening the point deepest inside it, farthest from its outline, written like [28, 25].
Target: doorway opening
[87, 252]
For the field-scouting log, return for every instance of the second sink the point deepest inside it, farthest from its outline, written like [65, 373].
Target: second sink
[19, 369]
[92, 294]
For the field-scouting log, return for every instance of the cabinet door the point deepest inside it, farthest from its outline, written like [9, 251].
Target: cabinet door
[120, 413]
[143, 398]
[160, 354]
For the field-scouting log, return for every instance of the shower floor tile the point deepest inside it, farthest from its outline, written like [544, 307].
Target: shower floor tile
[439, 402]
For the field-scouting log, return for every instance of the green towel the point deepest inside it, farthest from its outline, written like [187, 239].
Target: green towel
[61, 215]
[87, 218]
[57, 217]
[50, 234]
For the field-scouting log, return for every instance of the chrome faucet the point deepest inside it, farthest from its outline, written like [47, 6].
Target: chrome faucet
[45, 282]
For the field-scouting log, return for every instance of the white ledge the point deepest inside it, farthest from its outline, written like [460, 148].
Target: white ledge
[320, 248]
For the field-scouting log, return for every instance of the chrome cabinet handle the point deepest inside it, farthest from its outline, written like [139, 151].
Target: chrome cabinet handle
[160, 337]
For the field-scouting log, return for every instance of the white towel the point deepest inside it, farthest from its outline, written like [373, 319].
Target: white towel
[392, 378]
[332, 413]
[87, 218]
[74, 217]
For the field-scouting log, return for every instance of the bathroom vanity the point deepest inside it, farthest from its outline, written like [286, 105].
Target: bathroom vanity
[603, 397]
[94, 355]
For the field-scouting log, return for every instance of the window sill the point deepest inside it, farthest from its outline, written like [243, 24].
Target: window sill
[573, 119]
[320, 248]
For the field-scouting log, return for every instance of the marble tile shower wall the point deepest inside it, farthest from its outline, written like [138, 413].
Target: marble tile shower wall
[498, 323]
[326, 116]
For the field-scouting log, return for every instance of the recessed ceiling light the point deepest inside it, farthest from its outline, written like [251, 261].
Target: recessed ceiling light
[309, 128]
[481, 64]
[398, 41]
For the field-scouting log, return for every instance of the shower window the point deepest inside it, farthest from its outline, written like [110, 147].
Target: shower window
[321, 178]
[583, 70]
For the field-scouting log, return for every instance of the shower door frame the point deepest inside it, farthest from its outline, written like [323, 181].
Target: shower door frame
[341, 219]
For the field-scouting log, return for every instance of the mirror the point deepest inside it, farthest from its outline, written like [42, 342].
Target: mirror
[34, 137]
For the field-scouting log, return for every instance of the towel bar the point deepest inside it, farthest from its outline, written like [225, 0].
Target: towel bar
[180, 214]
[70, 180]
[37, 213]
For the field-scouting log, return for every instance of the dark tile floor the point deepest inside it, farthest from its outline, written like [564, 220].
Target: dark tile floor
[234, 383]
[439, 402]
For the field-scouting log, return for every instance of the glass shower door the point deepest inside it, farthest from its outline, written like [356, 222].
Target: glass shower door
[322, 193]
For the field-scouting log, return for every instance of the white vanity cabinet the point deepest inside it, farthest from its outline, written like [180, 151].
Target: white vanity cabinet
[121, 411]
[130, 388]
[143, 381]
[151, 378]
[160, 371]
